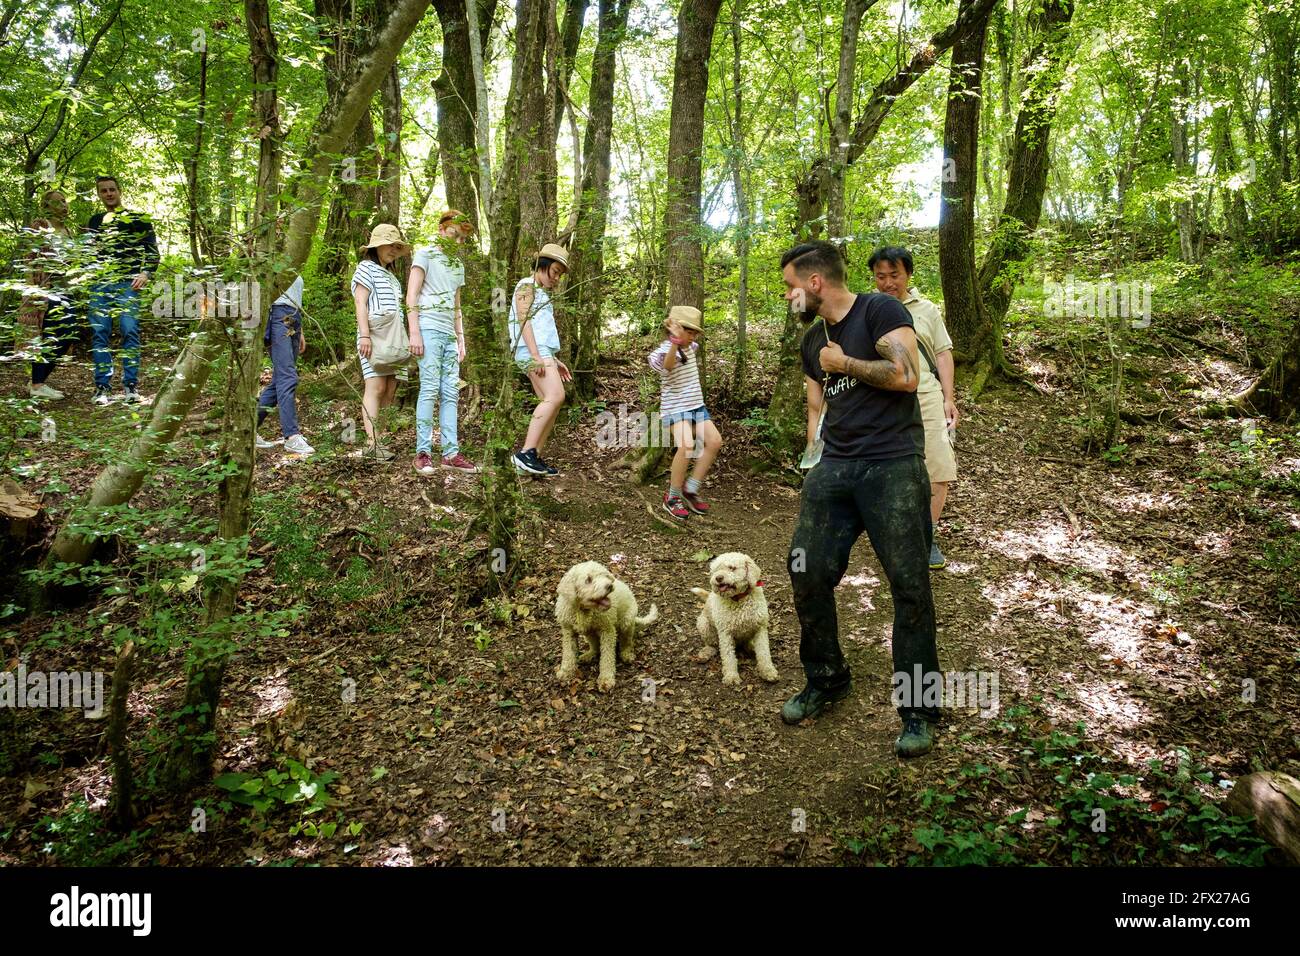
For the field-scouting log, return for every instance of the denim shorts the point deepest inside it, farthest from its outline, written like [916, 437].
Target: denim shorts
[526, 360]
[700, 414]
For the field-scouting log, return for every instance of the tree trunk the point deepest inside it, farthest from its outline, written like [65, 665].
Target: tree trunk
[194, 194]
[189, 760]
[575, 11]
[841, 119]
[390, 164]
[523, 212]
[1272, 799]
[118, 482]
[785, 411]
[190, 757]
[963, 308]
[1183, 162]
[1009, 248]
[683, 251]
[739, 181]
[586, 284]
[457, 97]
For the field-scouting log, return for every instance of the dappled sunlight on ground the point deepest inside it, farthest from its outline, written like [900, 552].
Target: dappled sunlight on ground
[1141, 502]
[865, 584]
[273, 695]
[1047, 535]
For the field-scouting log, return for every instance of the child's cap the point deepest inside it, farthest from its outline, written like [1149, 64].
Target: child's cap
[687, 316]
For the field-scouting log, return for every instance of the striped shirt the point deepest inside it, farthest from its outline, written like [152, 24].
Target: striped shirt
[679, 387]
[385, 296]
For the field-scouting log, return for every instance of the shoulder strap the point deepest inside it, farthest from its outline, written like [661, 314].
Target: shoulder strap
[929, 360]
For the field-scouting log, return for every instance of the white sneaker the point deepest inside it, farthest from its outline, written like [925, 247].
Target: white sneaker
[130, 396]
[298, 445]
[103, 398]
[263, 443]
[44, 391]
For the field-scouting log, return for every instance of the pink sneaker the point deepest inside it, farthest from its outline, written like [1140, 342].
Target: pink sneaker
[424, 464]
[459, 462]
[676, 507]
[696, 503]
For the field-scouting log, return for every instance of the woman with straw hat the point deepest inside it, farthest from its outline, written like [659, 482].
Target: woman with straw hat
[377, 295]
[536, 342]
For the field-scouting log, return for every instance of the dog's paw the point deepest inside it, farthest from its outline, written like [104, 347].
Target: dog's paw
[564, 673]
[706, 653]
[768, 674]
[605, 684]
[627, 657]
[586, 657]
[731, 679]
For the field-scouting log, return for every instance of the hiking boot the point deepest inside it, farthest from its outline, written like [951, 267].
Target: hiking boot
[937, 560]
[676, 507]
[103, 397]
[263, 443]
[44, 391]
[916, 738]
[297, 445]
[424, 464]
[810, 702]
[527, 462]
[696, 503]
[459, 462]
[130, 396]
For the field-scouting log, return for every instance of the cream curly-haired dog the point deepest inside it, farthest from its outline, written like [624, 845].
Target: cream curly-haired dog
[735, 614]
[598, 606]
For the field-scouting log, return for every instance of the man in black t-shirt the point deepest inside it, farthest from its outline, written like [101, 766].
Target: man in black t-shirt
[126, 252]
[861, 369]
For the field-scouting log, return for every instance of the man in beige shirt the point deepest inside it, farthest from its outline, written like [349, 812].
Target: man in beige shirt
[892, 266]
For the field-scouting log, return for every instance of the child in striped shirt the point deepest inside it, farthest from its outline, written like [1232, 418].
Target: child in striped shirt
[681, 409]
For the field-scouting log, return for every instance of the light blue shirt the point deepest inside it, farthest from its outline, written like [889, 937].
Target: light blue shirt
[542, 317]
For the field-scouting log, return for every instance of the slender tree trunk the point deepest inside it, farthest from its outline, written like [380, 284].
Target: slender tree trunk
[1183, 162]
[739, 185]
[390, 165]
[963, 308]
[524, 212]
[588, 260]
[1009, 250]
[194, 194]
[118, 482]
[190, 758]
[842, 118]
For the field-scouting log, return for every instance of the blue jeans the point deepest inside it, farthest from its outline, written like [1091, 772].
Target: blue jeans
[115, 300]
[890, 501]
[439, 376]
[282, 329]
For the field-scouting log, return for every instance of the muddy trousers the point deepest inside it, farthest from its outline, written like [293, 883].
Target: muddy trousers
[890, 500]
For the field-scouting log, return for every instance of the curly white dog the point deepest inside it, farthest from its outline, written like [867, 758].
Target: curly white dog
[735, 613]
[598, 606]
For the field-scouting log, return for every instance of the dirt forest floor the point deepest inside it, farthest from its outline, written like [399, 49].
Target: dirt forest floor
[1123, 604]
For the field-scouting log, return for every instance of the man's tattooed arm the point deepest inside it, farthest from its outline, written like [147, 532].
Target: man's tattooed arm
[897, 370]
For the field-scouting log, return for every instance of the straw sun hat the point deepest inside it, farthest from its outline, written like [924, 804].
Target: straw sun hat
[386, 234]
